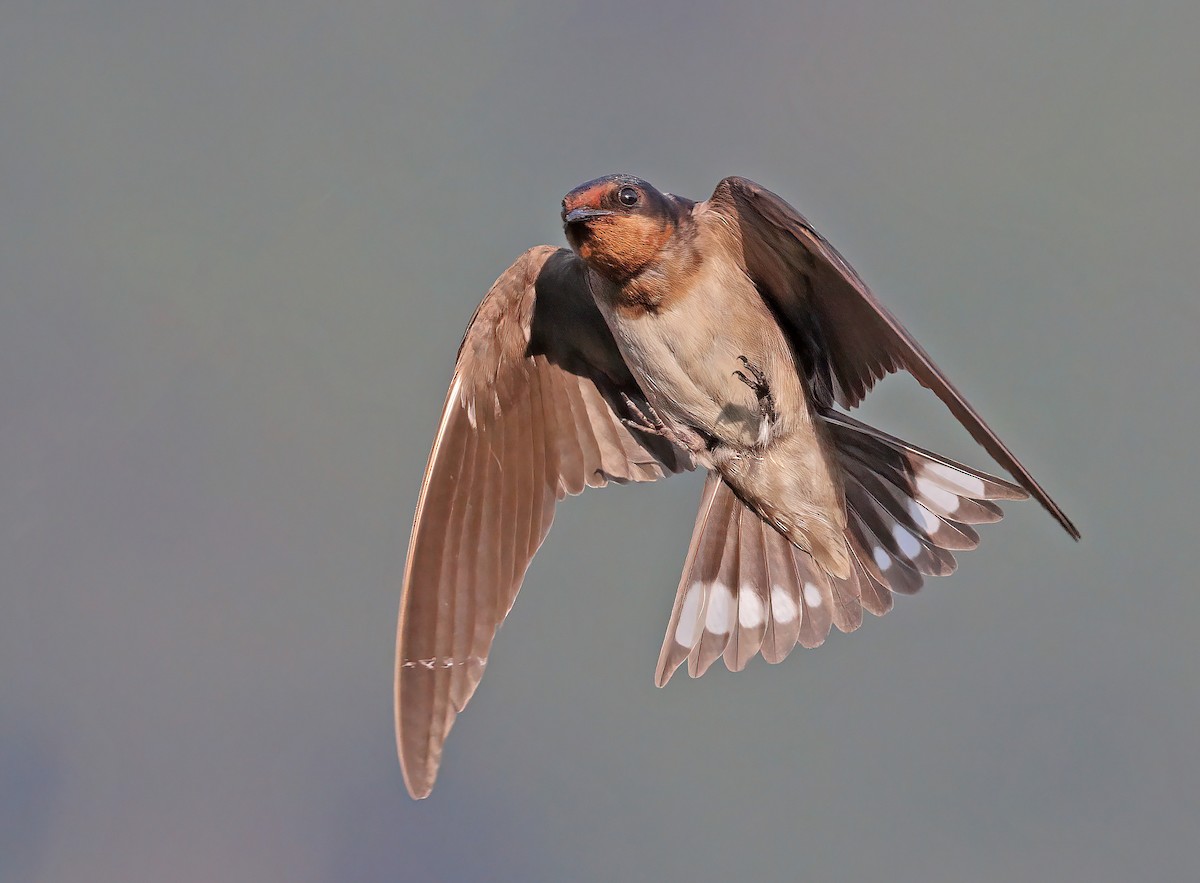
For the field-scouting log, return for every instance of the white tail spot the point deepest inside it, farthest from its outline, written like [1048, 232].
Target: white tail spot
[930, 522]
[937, 495]
[882, 559]
[686, 630]
[906, 541]
[812, 595]
[719, 618]
[968, 484]
[783, 608]
[750, 608]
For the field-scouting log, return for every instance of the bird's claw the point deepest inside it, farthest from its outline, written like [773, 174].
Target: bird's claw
[757, 381]
[653, 424]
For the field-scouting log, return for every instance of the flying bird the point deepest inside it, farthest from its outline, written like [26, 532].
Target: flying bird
[726, 335]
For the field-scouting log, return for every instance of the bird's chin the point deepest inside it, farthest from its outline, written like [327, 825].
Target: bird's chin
[583, 251]
[577, 236]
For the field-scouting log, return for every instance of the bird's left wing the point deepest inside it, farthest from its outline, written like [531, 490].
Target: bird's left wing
[533, 414]
[850, 337]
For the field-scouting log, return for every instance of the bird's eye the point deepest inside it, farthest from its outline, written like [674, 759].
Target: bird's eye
[628, 196]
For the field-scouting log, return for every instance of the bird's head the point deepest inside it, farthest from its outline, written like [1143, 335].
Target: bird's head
[619, 224]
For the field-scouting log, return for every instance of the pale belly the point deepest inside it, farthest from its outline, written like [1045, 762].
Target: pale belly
[685, 357]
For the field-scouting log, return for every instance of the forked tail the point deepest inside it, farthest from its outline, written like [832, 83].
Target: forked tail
[746, 589]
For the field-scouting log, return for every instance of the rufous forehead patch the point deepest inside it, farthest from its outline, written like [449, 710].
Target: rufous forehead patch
[587, 196]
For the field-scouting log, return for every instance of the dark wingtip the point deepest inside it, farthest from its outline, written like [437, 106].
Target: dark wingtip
[1061, 517]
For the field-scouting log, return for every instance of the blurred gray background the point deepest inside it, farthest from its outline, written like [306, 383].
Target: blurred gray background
[238, 247]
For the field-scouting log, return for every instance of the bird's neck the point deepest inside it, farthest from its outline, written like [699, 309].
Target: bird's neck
[658, 284]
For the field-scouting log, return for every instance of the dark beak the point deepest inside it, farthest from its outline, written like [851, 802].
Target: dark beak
[577, 215]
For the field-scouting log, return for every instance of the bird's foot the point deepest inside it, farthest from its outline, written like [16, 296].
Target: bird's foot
[757, 381]
[653, 424]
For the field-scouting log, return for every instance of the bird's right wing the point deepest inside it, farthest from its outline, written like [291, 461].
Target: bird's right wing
[533, 414]
[816, 291]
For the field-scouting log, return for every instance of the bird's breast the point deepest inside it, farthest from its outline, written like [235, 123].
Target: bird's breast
[685, 354]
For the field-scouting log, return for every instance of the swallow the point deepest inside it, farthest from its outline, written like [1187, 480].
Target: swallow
[725, 335]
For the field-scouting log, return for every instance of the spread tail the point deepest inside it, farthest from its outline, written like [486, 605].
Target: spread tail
[746, 589]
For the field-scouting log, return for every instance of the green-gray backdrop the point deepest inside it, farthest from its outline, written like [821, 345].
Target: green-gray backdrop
[238, 245]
